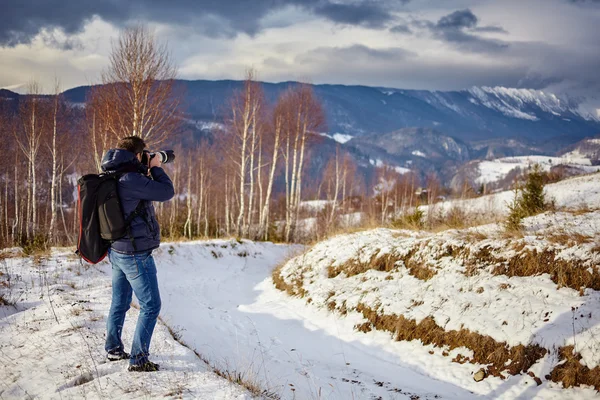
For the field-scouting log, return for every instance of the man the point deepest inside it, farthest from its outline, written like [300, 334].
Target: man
[133, 268]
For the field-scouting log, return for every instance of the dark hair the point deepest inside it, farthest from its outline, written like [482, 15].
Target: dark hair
[134, 144]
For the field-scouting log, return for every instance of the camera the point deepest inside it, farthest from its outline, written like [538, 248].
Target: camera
[166, 156]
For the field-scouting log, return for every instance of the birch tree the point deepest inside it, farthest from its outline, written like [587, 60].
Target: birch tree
[138, 88]
[29, 140]
[304, 117]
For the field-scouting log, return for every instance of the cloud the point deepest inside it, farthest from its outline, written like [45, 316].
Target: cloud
[398, 67]
[457, 20]
[19, 23]
[459, 28]
[401, 29]
[358, 54]
[365, 13]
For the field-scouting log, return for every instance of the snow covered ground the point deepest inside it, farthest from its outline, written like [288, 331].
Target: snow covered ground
[219, 298]
[52, 339]
[465, 291]
[573, 193]
[496, 170]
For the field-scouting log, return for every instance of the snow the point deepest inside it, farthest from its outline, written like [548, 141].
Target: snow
[493, 171]
[338, 137]
[378, 163]
[401, 170]
[52, 340]
[510, 102]
[573, 193]
[219, 298]
[492, 98]
[515, 310]
[315, 205]
[419, 153]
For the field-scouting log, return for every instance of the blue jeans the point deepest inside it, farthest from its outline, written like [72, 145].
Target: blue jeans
[133, 273]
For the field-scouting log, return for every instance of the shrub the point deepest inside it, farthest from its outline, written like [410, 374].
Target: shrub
[528, 200]
[414, 220]
[39, 244]
[532, 199]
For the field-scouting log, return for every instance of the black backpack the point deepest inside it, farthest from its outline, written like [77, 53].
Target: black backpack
[100, 214]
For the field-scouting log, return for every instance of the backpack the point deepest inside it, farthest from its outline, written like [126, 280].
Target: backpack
[100, 215]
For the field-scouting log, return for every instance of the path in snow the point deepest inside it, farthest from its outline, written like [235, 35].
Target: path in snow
[220, 299]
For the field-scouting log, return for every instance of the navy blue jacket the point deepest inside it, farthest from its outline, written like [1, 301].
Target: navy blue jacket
[135, 187]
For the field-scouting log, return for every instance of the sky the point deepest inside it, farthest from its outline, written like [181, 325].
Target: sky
[550, 45]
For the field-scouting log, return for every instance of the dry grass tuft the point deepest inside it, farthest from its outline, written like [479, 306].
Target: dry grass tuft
[497, 355]
[571, 372]
[574, 273]
[568, 238]
[385, 263]
[293, 289]
[5, 302]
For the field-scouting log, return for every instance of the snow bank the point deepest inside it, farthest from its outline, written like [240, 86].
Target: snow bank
[466, 291]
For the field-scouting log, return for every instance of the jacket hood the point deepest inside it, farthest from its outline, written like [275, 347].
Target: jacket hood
[116, 159]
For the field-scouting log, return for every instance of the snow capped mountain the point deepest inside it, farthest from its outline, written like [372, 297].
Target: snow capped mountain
[536, 118]
[521, 103]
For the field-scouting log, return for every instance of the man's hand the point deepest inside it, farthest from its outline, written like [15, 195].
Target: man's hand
[155, 162]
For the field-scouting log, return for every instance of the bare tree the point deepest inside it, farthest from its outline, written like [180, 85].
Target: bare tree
[139, 89]
[304, 117]
[56, 143]
[276, 136]
[244, 128]
[29, 140]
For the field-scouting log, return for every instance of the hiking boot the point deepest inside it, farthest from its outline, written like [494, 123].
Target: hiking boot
[148, 366]
[116, 355]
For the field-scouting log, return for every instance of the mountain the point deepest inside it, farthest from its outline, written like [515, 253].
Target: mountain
[7, 94]
[586, 148]
[533, 118]
[424, 149]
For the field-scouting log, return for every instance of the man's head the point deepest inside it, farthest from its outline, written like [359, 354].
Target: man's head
[133, 144]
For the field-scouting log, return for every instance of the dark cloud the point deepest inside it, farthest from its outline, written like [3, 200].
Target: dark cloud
[491, 29]
[22, 20]
[356, 54]
[457, 20]
[398, 67]
[460, 28]
[366, 13]
[403, 28]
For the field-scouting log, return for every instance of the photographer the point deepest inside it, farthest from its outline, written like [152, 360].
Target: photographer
[133, 268]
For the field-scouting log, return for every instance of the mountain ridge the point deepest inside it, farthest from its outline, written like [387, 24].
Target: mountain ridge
[543, 119]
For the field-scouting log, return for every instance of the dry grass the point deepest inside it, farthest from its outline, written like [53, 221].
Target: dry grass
[293, 289]
[571, 372]
[574, 273]
[498, 356]
[5, 302]
[568, 238]
[385, 263]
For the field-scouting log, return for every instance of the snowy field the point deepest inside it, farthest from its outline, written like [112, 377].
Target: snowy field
[573, 193]
[496, 170]
[219, 299]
